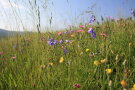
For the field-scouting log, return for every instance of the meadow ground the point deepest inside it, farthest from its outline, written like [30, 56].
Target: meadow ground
[86, 58]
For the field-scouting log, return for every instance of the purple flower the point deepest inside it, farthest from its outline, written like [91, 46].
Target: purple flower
[71, 31]
[65, 32]
[67, 41]
[52, 42]
[92, 32]
[65, 50]
[93, 35]
[92, 19]
[52, 39]
[61, 41]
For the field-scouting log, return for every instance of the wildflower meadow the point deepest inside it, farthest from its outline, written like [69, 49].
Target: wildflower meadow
[67, 44]
[87, 57]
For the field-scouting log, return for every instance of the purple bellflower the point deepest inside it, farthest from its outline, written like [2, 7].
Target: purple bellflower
[52, 42]
[92, 32]
[92, 19]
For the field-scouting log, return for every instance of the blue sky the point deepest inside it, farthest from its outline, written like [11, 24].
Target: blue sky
[64, 12]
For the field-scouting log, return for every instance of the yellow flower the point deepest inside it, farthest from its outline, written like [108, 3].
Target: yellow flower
[96, 62]
[51, 64]
[108, 71]
[123, 83]
[103, 61]
[72, 35]
[87, 50]
[133, 87]
[61, 60]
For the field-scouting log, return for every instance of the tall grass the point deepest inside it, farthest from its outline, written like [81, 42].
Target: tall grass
[36, 63]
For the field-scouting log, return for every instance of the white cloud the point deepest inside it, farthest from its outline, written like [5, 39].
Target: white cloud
[7, 4]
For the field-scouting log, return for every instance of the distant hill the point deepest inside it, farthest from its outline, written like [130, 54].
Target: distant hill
[4, 33]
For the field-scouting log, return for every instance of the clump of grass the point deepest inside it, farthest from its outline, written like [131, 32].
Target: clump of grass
[106, 61]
